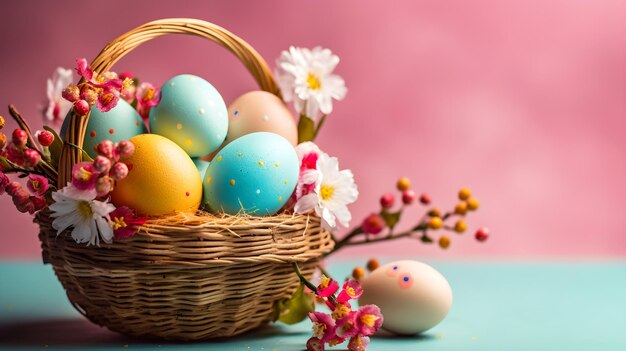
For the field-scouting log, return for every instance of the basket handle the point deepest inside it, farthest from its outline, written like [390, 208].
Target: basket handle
[122, 45]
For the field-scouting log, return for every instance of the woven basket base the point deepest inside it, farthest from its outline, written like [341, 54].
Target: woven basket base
[198, 300]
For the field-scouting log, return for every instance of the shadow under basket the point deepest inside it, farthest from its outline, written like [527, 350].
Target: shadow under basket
[187, 277]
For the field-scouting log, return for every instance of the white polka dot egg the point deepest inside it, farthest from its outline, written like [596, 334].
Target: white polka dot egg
[254, 174]
[412, 296]
[192, 114]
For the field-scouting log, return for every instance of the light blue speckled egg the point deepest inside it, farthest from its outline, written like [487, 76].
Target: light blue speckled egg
[201, 165]
[255, 174]
[120, 123]
[191, 113]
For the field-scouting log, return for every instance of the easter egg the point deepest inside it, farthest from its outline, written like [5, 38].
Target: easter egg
[254, 174]
[412, 296]
[162, 179]
[260, 111]
[121, 122]
[191, 113]
[201, 165]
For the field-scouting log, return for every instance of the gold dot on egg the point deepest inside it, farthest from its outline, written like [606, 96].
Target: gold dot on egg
[192, 78]
[280, 199]
[232, 182]
[261, 163]
[209, 180]
[239, 154]
[277, 164]
[286, 182]
[474, 337]
[179, 126]
[201, 111]
[219, 158]
[188, 142]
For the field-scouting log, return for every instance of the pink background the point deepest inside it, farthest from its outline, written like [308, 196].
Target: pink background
[522, 101]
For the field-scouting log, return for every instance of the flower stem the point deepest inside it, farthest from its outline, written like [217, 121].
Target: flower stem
[319, 126]
[303, 280]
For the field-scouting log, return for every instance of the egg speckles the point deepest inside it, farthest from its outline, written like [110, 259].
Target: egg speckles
[191, 113]
[412, 296]
[254, 174]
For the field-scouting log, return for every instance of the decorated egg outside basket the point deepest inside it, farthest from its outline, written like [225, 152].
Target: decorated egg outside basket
[412, 296]
[163, 179]
[122, 122]
[191, 113]
[254, 174]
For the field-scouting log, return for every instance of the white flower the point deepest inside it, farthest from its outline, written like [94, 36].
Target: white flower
[305, 77]
[79, 209]
[334, 191]
[58, 107]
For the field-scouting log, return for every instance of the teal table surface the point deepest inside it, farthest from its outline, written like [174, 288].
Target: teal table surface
[497, 306]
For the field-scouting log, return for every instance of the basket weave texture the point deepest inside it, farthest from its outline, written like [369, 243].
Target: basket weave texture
[185, 276]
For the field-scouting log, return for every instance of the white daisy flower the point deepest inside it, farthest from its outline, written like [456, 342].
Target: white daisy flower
[305, 77]
[79, 209]
[334, 191]
[58, 107]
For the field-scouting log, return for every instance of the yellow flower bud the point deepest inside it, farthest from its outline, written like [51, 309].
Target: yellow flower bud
[3, 140]
[372, 264]
[1, 122]
[460, 208]
[358, 273]
[464, 194]
[434, 212]
[403, 184]
[444, 242]
[472, 204]
[460, 227]
[435, 223]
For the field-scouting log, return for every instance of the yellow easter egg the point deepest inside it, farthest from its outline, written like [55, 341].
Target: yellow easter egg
[162, 179]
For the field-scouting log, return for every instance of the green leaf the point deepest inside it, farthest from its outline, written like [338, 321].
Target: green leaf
[55, 148]
[426, 239]
[297, 307]
[306, 129]
[391, 218]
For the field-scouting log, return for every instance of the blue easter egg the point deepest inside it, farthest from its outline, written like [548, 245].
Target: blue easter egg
[254, 174]
[201, 165]
[122, 122]
[192, 114]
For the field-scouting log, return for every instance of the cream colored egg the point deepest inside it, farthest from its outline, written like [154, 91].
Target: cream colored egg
[412, 296]
[260, 111]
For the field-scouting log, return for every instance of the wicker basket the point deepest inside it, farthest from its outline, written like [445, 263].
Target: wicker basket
[187, 276]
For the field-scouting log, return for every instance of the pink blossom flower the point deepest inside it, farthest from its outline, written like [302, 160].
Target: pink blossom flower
[37, 184]
[323, 326]
[71, 93]
[84, 176]
[358, 343]
[368, 319]
[373, 224]
[4, 181]
[105, 148]
[107, 100]
[125, 149]
[327, 287]
[352, 290]
[44, 137]
[341, 310]
[308, 152]
[119, 171]
[15, 154]
[104, 185]
[147, 97]
[81, 107]
[315, 344]
[347, 326]
[129, 89]
[38, 203]
[102, 164]
[19, 137]
[125, 223]
[31, 157]
[89, 94]
[83, 69]
[57, 107]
